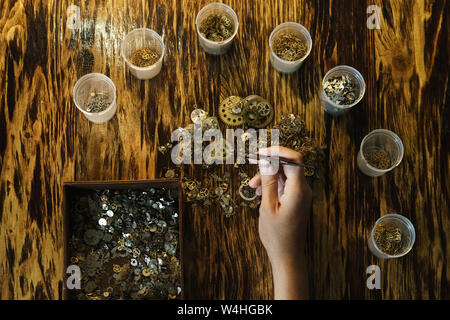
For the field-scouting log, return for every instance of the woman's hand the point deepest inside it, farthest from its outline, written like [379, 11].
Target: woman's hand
[284, 215]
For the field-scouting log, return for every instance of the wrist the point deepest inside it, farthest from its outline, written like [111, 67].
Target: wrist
[291, 258]
[287, 264]
[290, 278]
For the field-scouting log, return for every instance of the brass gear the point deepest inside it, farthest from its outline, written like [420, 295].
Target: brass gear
[257, 112]
[230, 111]
[251, 117]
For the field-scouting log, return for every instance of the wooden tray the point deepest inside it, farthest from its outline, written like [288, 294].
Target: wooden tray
[172, 184]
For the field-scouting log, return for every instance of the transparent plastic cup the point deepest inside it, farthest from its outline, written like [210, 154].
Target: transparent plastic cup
[355, 76]
[386, 141]
[99, 84]
[406, 229]
[285, 66]
[139, 39]
[216, 47]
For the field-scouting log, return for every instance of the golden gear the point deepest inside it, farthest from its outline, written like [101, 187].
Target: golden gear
[230, 111]
[146, 272]
[257, 112]
[209, 123]
[117, 268]
[263, 109]
[203, 194]
[247, 193]
[309, 172]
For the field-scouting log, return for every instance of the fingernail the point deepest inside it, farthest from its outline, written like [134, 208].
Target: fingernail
[266, 168]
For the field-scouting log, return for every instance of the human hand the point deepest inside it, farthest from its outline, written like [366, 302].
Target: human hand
[284, 215]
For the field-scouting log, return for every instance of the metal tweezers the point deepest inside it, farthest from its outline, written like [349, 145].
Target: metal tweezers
[282, 161]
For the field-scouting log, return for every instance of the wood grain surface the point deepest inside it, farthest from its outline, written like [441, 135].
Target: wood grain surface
[45, 140]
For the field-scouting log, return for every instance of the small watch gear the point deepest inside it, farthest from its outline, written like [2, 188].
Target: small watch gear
[210, 123]
[263, 109]
[198, 115]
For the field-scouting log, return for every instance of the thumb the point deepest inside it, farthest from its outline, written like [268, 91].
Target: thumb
[269, 186]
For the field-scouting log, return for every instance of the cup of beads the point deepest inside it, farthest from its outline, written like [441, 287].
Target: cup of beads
[143, 51]
[343, 87]
[217, 25]
[393, 236]
[380, 152]
[94, 95]
[290, 44]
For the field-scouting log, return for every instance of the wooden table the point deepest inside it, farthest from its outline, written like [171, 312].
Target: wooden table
[45, 140]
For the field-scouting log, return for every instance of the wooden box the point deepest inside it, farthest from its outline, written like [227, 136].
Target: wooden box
[70, 188]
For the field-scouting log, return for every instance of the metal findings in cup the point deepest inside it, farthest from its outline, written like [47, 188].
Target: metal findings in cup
[94, 95]
[393, 236]
[290, 44]
[217, 25]
[380, 152]
[343, 87]
[143, 51]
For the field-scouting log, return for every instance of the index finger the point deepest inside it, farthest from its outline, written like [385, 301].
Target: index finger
[294, 175]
